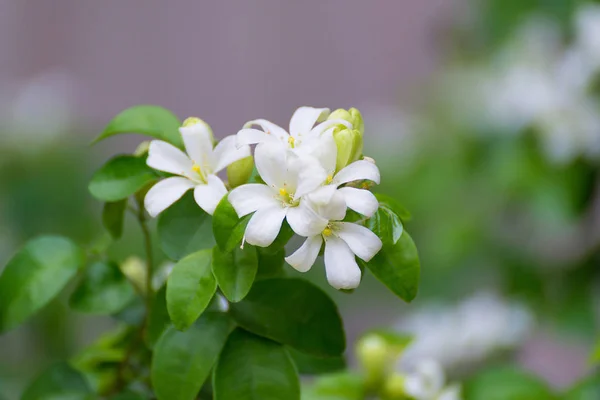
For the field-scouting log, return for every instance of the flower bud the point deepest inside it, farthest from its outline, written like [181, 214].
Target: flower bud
[240, 171]
[393, 387]
[142, 149]
[197, 122]
[349, 141]
[373, 353]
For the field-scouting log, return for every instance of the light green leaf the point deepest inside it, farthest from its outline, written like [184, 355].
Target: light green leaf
[308, 364]
[252, 368]
[506, 384]
[104, 290]
[149, 120]
[338, 386]
[386, 225]
[235, 271]
[293, 312]
[60, 381]
[184, 228]
[228, 229]
[121, 177]
[190, 288]
[182, 360]
[392, 204]
[595, 358]
[113, 216]
[37, 273]
[397, 266]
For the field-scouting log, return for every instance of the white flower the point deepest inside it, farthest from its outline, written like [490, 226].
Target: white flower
[302, 129]
[197, 169]
[343, 241]
[287, 179]
[427, 383]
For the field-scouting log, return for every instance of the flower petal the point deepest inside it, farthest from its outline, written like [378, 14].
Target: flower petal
[340, 265]
[364, 243]
[227, 152]
[168, 158]
[208, 196]
[305, 118]
[269, 128]
[165, 193]
[198, 144]
[323, 149]
[264, 226]
[360, 200]
[248, 198]
[426, 382]
[451, 392]
[253, 136]
[311, 175]
[304, 221]
[334, 210]
[357, 171]
[323, 126]
[304, 258]
[270, 160]
[322, 195]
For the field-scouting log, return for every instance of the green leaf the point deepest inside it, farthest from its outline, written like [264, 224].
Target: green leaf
[252, 368]
[386, 224]
[60, 381]
[589, 389]
[595, 357]
[228, 229]
[397, 266]
[338, 386]
[184, 228]
[158, 319]
[293, 312]
[506, 384]
[113, 216]
[392, 204]
[104, 290]
[182, 360]
[128, 396]
[308, 364]
[270, 265]
[190, 288]
[121, 177]
[235, 271]
[148, 120]
[37, 273]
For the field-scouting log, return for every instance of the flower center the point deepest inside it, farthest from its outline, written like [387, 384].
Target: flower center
[291, 141]
[327, 231]
[329, 179]
[287, 197]
[201, 174]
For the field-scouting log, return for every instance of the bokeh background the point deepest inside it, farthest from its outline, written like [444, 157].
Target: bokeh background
[484, 117]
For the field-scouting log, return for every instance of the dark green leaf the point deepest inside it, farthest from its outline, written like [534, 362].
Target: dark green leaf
[148, 120]
[235, 271]
[270, 265]
[182, 360]
[392, 204]
[252, 368]
[228, 229]
[37, 273]
[158, 319]
[121, 177]
[312, 365]
[386, 225]
[292, 312]
[184, 228]
[104, 290]
[113, 216]
[397, 267]
[190, 288]
[506, 384]
[60, 381]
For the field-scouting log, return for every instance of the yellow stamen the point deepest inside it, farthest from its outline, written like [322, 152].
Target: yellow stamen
[196, 168]
[327, 232]
[291, 141]
[283, 192]
[365, 185]
[191, 121]
[329, 179]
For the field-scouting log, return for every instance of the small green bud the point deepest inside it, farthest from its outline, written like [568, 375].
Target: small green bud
[142, 149]
[349, 146]
[195, 121]
[134, 269]
[356, 120]
[393, 387]
[373, 353]
[240, 171]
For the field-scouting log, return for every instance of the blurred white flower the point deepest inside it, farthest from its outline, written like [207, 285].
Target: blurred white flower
[428, 382]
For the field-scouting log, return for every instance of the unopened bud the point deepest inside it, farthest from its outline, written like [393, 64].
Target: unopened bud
[197, 123]
[352, 115]
[349, 147]
[142, 149]
[240, 171]
[393, 387]
[134, 269]
[373, 353]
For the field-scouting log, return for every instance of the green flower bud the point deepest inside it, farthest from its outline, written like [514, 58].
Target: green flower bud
[393, 387]
[373, 353]
[142, 149]
[356, 120]
[240, 171]
[349, 146]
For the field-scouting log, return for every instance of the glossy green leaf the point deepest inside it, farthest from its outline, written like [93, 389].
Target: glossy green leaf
[386, 224]
[60, 381]
[292, 312]
[228, 229]
[103, 290]
[506, 384]
[184, 228]
[392, 204]
[113, 216]
[270, 265]
[182, 360]
[37, 273]
[190, 288]
[158, 319]
[121, 177]
[308, 364]
[252, 368]
[149, 120]
[235, 271]
[397, 266]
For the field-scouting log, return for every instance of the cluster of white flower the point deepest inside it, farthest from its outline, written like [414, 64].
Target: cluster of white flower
[427, 381]
[311, 176]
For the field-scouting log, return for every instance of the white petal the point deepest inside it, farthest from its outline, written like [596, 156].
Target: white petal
[208, 196]
[270, 160]
[334, 210]
[253, 136]
[357, 171]
[168, 158]
[340, 265]
[323, 149]
[450, 393]
[322, 195]
[270, 128]
[311, 176]
[304, 221]
[264, 226]
[198, 144]
[360, 200]
[426, 382]
[323, 126]
[305, 118]
[304, 258]
[165, 193]
[248, 198]
[227, 151]
[364, 243]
